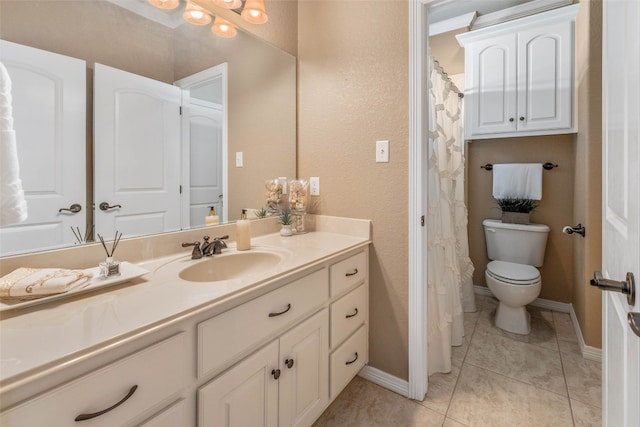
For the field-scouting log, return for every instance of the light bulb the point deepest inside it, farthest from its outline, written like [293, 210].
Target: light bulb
[196, 15]
[254, 12]
[223, 28]
[165, 4]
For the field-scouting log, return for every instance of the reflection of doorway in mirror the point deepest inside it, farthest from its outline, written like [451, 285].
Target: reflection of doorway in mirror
[204, 139]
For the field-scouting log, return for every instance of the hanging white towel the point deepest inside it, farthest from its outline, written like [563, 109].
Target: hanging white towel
[13, 207]
[519, 180]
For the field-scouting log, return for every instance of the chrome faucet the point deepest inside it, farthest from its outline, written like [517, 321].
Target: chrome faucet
[197, 252]
[215, 247]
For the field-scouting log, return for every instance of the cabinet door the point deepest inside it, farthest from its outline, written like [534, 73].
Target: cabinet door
[545, 80]
[491, 81]
[245, 395]
[304, 385]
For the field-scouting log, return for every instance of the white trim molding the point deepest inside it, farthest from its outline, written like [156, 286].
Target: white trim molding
[385, 380]
[520, 11]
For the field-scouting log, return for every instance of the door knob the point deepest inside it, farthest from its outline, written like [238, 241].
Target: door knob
[104, 206]
[74, 208]
[634, 322]
[627, 287]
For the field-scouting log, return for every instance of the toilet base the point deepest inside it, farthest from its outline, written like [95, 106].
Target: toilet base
[513, 319]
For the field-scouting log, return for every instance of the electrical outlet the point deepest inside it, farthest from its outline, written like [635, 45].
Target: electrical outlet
[382, 151]
[314, 184]
[239, 160]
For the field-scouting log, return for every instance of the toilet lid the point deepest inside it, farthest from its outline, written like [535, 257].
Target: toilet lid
[520, 274]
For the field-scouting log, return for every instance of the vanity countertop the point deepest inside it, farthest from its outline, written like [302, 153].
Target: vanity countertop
[38, 339]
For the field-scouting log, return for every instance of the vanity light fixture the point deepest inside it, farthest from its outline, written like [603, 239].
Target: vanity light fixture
[165, 4]
[196, 15]
[254, 12]
[223, 28]
[228, 4]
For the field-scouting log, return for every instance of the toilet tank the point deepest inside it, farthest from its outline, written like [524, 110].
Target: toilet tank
[519, 243]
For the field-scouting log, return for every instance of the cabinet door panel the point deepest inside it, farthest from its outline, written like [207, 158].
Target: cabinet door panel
[491, 98]
[304, 387]
[245, 395]
[544, 77]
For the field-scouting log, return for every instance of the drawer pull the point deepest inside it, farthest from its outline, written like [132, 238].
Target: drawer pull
[280, 313]
[352, 361]
[349, 316]
[352, 274]
[289, 363]
[275, 373]
[84, 417]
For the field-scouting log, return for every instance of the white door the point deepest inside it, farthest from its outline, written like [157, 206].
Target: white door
[245, 395]
[49, 108]
[136, 154]
[621, 213]
[205, 160]
[304, 384]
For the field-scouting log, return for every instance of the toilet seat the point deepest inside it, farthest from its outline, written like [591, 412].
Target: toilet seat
[512, 273]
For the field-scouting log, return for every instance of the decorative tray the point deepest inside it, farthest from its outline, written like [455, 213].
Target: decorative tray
[128, 272]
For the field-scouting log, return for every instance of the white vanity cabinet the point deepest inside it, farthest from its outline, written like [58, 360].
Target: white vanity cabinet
[118, 394]
[519, 76]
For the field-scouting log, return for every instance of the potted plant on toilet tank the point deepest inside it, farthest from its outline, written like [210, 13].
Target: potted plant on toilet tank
[516, 210]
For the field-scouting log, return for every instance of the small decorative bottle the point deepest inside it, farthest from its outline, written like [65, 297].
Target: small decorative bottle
[243, 232]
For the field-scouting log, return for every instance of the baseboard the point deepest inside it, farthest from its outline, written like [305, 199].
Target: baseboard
[385, 380]
[588, 352]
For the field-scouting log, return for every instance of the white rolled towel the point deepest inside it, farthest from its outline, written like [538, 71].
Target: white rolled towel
[27, 283]
[13, 206]
[517, 180]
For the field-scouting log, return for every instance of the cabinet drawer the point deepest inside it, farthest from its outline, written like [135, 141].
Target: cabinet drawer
[158, 372]
[173, 416]
[224, 337]
[349, 312]
[348, 359]
[348, 272]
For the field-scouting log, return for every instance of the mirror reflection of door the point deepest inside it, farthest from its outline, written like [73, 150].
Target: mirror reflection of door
[137, 139]
[49, 98]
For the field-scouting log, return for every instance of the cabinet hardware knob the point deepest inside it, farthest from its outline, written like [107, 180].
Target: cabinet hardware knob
[281, 312]
[104, 206]
[275, 373]
[289, 363]
[352, 274]
[352, 361]
[84, 417]
[511, 119]
[521, 118]
[349, 316]
[74, 208]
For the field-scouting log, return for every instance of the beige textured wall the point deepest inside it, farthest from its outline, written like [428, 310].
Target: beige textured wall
[587, 301]
[353, 90]
[556, 206]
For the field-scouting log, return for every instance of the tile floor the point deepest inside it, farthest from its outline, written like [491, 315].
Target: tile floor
[498, 379]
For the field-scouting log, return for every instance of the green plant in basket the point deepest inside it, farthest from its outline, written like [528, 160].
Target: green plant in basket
[515, 204]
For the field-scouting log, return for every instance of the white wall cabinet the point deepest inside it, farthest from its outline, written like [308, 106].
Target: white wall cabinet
[519, 76]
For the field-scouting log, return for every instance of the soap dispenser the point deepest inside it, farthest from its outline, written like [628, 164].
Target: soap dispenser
[243, 232]
[212, 218]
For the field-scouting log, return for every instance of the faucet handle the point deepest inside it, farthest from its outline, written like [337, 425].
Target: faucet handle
[197, 252]
[219, 244]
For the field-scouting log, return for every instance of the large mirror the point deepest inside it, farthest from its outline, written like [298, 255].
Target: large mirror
[260, 80]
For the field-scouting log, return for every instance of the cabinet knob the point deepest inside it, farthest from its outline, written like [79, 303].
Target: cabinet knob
[521, 118]
[511, 119]
[275, 373]
[289, 363]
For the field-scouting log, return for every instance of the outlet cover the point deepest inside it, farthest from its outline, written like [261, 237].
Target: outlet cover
[314, 186]
[239, 159]
[382, 151]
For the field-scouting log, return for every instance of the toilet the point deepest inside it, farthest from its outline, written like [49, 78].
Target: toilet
[515, 250]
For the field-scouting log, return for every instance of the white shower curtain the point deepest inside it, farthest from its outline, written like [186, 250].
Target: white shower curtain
[449, 278]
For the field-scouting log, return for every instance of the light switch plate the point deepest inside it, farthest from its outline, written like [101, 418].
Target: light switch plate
[239, 160]
[314, 186]
[382, 151]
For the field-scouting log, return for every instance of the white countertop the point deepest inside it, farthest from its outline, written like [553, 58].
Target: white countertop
[63, 330]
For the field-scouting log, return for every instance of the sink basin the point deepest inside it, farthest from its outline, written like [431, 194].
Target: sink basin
[229, 266]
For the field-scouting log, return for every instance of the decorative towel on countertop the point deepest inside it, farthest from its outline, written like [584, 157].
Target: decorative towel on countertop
[517, 180]
[30, 283]
[13, 207]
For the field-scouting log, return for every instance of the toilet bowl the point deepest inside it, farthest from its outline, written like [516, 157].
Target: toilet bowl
[515, 286]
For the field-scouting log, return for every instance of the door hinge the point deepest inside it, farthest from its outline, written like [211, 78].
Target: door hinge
[181, 189]
[181, 110]
[422, 221]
